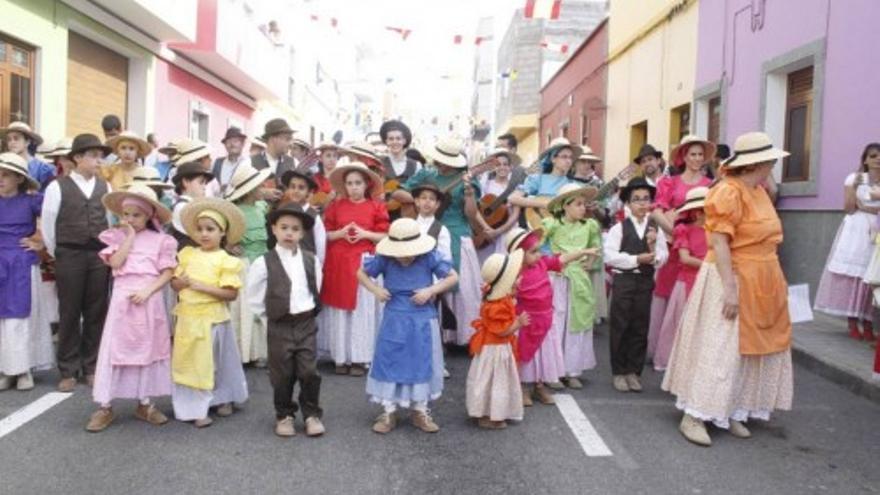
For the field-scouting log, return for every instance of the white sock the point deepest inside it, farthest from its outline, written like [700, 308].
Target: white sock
[389, 407]
[420, 406]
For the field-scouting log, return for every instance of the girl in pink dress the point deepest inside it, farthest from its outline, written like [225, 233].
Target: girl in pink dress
[688, 161]
[691, 247]
[539, 349]
[134, 359]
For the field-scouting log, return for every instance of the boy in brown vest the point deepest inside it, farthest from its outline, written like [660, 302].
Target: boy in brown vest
[73, 216]
[284, 286]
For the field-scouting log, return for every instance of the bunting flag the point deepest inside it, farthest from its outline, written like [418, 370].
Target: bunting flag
[556, 47]
[457, 39]
[334, 22]
[542, 9]
[480, 39]
[510, 74]
[404, 33]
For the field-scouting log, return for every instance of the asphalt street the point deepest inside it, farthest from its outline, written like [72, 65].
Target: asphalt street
[829, 443]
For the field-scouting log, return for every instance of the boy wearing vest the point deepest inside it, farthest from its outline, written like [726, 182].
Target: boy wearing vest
[632, 249]
[73, 217]
[298, 188]
[284, 288]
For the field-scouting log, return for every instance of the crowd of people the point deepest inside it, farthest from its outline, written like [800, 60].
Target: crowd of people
[162, 272]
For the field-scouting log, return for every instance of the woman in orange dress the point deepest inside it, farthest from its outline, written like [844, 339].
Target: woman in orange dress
[731, 359]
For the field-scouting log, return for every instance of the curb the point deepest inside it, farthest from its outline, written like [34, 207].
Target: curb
[856, 384]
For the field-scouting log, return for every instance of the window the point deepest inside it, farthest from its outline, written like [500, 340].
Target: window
[199, 122]
[16, 82]
[714, 132]
[638, 137]
[679, 123]
[798, 113]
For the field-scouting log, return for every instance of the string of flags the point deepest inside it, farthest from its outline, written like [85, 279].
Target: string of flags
[556, 47]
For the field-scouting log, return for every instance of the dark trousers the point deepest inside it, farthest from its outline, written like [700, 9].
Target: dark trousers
[629, 318]
[292, 358]
[83, 283]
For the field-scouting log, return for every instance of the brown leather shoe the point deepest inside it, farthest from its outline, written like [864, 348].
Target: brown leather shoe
[544, 396]
[284, 427]
[100, 420]
[149, 413]
[423, 421]
[385, 423]
[341, 369]
[632, 381]
[357, 370]
[527, 396]
[314, 426]
[90, 380]
[67, 385]
[225, 410]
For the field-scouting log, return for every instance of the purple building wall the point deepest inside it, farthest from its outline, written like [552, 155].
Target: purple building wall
[731, 52]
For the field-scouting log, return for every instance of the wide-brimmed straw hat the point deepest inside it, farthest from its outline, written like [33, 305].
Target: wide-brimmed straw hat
[149, 176]
[405, 239]
[190, 150]
[752, 148]
[695, 198]
[512, 157]
[346, 165]
[245, 179]
[113, 201]
[15, 163]
[24, 129]
[363, 152]
[302, 143]
[569, 191]
[170, 150]
[447, 152]
[198, 208]
[500, 271]
[85, 142]
[559, 143]
[62, 148]
[294, 209]
[587, 155]
[258, 142]
[517, 235]
[709, 149]
[142, 145]
[396, 125]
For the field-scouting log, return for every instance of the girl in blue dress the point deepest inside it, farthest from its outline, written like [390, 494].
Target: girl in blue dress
[407, 369]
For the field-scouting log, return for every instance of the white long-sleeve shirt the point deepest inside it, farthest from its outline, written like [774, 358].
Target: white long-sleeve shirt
[301, 299]
[52, 203]
[444, 239]
[320, 234]
[615, 258]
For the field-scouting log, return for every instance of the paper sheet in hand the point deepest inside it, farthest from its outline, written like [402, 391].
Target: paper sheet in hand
[799, 303]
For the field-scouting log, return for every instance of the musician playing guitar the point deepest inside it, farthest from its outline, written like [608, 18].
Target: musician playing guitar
[539, 188]
[494, 208]
[459, 209]
[396, 166]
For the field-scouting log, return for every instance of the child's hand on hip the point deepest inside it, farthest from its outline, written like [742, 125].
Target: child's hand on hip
[422, 296]
[382, 294]
[140, 296]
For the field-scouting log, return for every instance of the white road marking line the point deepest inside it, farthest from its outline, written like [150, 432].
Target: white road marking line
[29, 412]
[581, 427]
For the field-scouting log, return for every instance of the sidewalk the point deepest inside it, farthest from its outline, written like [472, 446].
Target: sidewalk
[824, 347]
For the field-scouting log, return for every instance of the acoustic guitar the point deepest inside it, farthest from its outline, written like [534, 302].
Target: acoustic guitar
[535, 216]
[407, 210]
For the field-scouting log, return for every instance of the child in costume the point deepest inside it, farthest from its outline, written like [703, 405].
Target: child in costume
[134, 359]
[407, 369]
[205, 363]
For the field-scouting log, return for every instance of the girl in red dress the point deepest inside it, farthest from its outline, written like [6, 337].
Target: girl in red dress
[355, 221]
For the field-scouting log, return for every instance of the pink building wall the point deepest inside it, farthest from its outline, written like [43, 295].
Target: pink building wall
[176, 89]
[728, 50]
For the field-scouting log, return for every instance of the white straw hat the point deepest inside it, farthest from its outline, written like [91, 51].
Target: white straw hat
[346, 165]
[517, 235]
[447, 152]
[113, 201]
[752, 148]
[235, 225]
[514, 159]
[149, 176]
[14, 163]
[500, 272]
[142, 145]
[245, 179]
[588, 155]
[709, 148]
[405, 239]
[695, 198]
[190, 150]
[569, 191]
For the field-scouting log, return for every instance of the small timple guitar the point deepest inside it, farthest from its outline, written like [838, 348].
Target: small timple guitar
[535, 216]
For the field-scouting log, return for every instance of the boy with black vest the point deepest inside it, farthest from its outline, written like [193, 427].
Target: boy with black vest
[632, 249]
[284, 286]
[73, 216]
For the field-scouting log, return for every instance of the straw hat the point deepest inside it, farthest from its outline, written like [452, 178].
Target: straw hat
[296, 210]
[678, 153]
[62, 148]
[190, 214]
[171, 149]
[258, 142]
[22, 128]
[569, 191]
[558, 144]
[148, 176]
[245, 179]
[752, 148]
[113, 201]
[695, 198]
[345, 165]
[142, 145]
[327, 145]
[588, 155]
[14, 163]
[405, 239]
[363, 152]
[447, 152]
[302, 143]
[190, 150]
[517, 235]
[512, 157]
[85, 142]
[500, 272]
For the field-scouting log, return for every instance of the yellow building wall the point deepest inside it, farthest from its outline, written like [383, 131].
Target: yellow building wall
[651, 72]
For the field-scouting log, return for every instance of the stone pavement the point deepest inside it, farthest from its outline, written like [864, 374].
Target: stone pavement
[824, 347]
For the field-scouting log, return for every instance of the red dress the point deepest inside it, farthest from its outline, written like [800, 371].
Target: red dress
[339, 288]
[692, 237]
